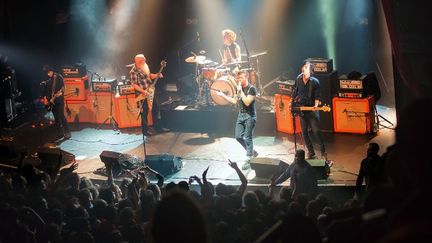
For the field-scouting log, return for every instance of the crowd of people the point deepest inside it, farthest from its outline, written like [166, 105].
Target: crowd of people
[61, 206]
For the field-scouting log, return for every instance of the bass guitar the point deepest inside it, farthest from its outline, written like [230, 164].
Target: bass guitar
[324, 108]
[151, 89]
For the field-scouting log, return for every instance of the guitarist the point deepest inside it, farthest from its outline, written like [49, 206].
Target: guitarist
[306, 93]
[52, 98]
[141, 79]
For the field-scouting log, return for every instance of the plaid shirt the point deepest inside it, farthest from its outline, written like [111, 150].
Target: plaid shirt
[140, 78]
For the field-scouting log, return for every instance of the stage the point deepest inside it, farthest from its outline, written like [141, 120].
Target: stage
[212, 148]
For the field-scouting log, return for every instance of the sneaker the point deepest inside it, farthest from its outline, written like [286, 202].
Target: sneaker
[67, 135]
[162, 130]
[246, 166]
[255, 154]
[311, 156]
[324, 155]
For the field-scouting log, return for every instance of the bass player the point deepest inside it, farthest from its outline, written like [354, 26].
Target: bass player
[142, 80]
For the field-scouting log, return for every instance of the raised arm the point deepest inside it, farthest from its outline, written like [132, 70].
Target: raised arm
[242, 177]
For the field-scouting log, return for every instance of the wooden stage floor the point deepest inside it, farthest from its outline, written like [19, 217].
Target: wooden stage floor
[200, 150]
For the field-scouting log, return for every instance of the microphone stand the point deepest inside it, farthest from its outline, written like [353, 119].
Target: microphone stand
[259, 87]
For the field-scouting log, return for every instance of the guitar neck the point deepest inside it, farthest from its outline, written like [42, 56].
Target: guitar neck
[157, 78]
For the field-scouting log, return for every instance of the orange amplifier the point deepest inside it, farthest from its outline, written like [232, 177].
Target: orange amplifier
[100, 106]
[354, 115]
[284, 120]
[127, 111]
[76, 88]
[77, 111]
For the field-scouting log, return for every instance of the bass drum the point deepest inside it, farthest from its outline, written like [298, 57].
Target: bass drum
[227, 85]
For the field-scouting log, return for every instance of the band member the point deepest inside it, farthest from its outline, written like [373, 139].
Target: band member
[52, 97]
[141, 79]
[246, 119]
[307, 93]
[230, 49]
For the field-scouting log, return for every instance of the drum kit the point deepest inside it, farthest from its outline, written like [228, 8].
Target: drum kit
[212, 77]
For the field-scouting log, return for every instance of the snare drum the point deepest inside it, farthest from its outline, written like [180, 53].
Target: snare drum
[227, 85]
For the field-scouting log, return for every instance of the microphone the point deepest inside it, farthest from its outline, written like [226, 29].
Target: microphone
[198, 36]
[193, 53]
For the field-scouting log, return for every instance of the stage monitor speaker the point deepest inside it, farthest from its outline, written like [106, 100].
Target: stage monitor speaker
[52, 158]
[321, 168]
[112, 158]
[164, 164]
[267, 167]
[354, 115]
[328, 83]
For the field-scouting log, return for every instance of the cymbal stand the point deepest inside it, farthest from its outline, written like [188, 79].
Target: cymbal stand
[258, 78]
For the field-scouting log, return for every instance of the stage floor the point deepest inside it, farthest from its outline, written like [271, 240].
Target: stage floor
[200, 150]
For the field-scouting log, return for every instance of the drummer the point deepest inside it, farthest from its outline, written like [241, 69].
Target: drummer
[230, 50]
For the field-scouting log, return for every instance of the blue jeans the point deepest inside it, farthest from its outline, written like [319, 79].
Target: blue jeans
[311, 119]
[244, 129]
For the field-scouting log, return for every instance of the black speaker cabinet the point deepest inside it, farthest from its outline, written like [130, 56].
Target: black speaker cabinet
[51, 158]
[112, 158]
[327, 84]
[165, 164]
[267, 167]
[321, 168]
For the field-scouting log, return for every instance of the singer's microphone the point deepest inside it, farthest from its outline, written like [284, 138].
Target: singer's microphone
[198, 36]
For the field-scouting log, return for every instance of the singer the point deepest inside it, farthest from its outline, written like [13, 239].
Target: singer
[246, 119]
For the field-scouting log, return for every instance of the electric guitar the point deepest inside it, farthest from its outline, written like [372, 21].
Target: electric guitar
[49, 105]
[151, 89]
[324, 108]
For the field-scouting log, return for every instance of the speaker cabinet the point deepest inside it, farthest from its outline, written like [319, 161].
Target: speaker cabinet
[165, 164]
[267, 167]
[53, 158]
[321, 168]
[284, 119]
[127, 111]
[100, 105]
[354, 115]
[78, 112]
[76, 88]
[112, 158]
[327, 85]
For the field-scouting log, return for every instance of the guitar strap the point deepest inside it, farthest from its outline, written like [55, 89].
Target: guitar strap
[54, 83]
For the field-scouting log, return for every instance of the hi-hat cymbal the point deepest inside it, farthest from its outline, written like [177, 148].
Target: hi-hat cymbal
[195, 59]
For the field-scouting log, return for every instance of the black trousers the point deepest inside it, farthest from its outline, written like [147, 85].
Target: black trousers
[155, 115]
[59, 116]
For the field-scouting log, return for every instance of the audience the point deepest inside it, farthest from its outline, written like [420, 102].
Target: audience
[59, 206]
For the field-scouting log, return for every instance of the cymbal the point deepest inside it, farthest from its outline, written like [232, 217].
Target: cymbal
[130, 65]
[195, 59]
[204, 62]
[258, 54]
[233, 63]
[254, 55]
